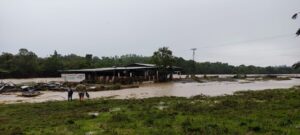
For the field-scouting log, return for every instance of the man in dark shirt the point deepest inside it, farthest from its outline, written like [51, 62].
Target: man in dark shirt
[87, 94]
[70, 94]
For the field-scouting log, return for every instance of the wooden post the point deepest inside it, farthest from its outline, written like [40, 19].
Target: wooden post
[111, 79]
[179, 74]
[157, 76]
[104, 79]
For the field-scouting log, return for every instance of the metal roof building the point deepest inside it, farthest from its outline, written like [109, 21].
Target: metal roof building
[135, 71]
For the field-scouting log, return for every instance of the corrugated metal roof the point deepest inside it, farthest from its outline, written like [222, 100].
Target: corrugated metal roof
[148, 65]
[141, 64]
[104, 69]
[134, 66]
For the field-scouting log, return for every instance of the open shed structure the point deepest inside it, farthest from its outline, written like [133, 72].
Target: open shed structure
[137, 72]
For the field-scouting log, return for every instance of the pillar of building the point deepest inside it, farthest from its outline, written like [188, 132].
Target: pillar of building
[179, 74]
[157, 75]
[104, 79]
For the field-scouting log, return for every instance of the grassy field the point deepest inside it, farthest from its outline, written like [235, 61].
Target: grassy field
[250, 112]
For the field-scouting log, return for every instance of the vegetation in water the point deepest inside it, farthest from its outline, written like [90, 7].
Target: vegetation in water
[249, 112]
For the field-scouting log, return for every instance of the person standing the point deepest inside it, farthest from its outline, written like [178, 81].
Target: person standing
[87, 94]
[70, 94]
[81, 89]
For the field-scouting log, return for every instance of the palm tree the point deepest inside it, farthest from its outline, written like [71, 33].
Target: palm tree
[296, 65]
[164, 60]
[295, 17]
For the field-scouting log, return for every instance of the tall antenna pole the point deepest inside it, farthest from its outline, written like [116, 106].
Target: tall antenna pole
[194, 63]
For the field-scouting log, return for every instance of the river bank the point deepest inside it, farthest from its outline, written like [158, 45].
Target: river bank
[178, 89]
[59, 79]
[246, 112]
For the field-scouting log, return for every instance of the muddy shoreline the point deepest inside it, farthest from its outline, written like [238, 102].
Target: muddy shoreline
[178, 89]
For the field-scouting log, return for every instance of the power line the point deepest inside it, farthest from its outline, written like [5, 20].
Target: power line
[246, 41]
[249, 41]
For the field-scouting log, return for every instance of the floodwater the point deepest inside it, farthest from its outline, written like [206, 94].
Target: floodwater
[29, 80]
[179, 89]
[46, 80]
[232, 75]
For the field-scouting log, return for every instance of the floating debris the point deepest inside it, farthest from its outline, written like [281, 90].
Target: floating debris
[94, 114]
[29, 91]
[31, 94]
[161, 103]
[5, 87]
[115, 109]
[161, 107]
[90, 133]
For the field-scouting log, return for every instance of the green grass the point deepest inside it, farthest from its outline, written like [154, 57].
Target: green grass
[251, 112]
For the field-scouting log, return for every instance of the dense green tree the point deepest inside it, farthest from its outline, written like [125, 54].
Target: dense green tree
[52, 64]
[7, 62]
[27, 64]
[296, 65]
[89, 60]
[164, 59]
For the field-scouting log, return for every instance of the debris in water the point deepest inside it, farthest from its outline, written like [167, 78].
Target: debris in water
[29, 92]
[115, 109]
[90, 133]
[94, 114]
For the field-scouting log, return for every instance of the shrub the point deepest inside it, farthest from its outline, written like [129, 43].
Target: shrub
[119, 117]
[114, 87]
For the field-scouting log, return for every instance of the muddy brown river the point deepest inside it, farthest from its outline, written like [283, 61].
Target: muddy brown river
[179, 89]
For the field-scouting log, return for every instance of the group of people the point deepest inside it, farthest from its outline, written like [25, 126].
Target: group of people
[81, 89]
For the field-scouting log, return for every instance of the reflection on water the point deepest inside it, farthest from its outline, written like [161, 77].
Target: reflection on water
[165, 89]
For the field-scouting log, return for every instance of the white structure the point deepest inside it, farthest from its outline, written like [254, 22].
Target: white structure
[73, 77]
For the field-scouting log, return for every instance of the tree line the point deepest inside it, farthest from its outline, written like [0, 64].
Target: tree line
[26, 64]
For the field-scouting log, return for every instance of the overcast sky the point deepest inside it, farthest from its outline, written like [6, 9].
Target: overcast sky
[251, 32]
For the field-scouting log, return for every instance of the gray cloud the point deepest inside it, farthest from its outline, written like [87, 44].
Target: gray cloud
[114, 27]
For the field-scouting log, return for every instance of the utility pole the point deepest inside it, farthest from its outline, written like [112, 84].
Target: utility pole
[194, 63]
